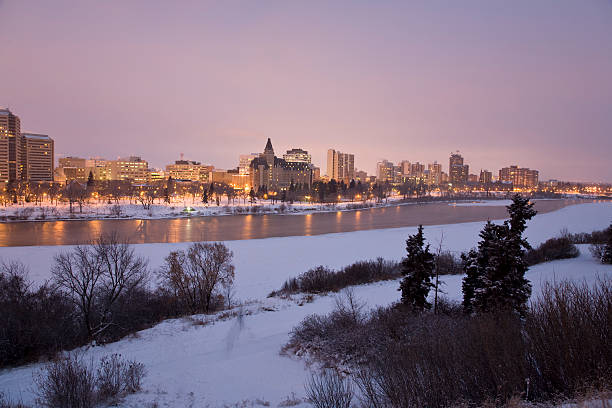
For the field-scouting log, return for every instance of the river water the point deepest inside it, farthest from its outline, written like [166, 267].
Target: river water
[236, 227]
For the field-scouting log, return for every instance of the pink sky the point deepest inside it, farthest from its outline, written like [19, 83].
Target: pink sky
[521, 82]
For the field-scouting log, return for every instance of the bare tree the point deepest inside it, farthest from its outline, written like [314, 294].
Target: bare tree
[197, 274]
[96, 275]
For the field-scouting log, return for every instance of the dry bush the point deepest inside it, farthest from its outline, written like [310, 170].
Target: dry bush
[67, 383]
[70, 382]
[329, 390]
[555, 248]
[6, 402]
[561, 348]
[322, 279]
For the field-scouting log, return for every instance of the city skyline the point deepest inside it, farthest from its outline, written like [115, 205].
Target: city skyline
[519, 85]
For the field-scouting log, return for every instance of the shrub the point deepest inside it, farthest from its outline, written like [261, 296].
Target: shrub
[448, 264]
[329, 390]
[116, 376]
[70, 382]
[67, 383]
[322, 279]
[560, 348]
[553, 249]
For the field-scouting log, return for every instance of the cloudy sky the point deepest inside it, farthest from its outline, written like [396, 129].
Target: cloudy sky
[505, 82]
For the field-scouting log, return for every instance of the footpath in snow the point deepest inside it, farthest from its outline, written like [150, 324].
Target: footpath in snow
[237, 360]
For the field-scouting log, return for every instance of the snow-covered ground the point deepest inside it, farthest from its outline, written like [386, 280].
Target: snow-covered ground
[189, 207]
[179, 208]
[236, 360]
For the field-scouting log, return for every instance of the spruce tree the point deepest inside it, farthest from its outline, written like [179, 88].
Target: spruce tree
[417, 269]
[606, 255]
[495, 272]
[90, 179]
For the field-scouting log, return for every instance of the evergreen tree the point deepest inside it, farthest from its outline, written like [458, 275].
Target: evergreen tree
[90, 180]
[606, 255]
[495, 272]
[417, 269]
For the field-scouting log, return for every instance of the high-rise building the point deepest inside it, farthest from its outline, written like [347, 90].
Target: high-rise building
[10, 146]
[298, 156]
[37, 157]
[131, 168]
[244, 163]
[416, 170]
[340, 166]
[486, 177]
[361, 175]
[385, 171]
[519, 176]
[435, 173]
[188, 170]
[457, 171]
[405, 165]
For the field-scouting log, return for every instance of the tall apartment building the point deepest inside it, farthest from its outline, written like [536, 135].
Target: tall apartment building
[457, 171]
[298, 156]
[385, 171]
[10, 146]
[416, 170]
[435, 173]
[519, 176]
[405, 165]
[244, 162]
[189, 170]
[37, 157]
[340, 166]
[131, 168]
[486, 177]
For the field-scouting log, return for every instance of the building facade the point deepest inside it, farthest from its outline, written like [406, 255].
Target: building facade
[244, 162]
[486, 177]
[37, 157]
[298, 156]
[10, 146]
[519, 176]
[385, 171]
[340, 166]
[457, 171]
[189, 170]
[273, 173]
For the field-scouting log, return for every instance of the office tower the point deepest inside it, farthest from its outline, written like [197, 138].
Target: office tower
[10, 146]
[417, 169]
[519, 176]
[297, 156]
[457, 171]
[486, 177]
[37, 157]
[340, 166]
[405, 165]
[435, 173]
[188, 170]
[131, 168]
[244, 163]
[384, 171]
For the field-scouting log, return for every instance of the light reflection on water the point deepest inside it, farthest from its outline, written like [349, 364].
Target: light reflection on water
[235, 227]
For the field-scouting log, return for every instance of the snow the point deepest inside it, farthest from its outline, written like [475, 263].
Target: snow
[131, 209]
[236, 360]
